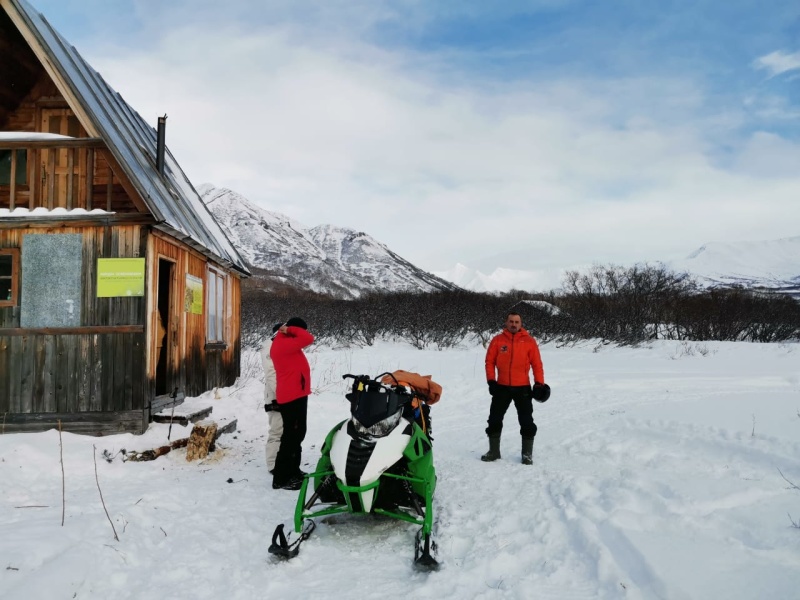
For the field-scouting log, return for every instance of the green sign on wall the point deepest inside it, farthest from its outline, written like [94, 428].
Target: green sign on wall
[120, 277]
[193, 301]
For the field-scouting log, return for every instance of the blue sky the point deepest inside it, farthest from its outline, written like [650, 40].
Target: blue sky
[531, 135]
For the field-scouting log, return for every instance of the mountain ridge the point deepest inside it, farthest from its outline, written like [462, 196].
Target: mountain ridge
[327, 259]
[772, 265]
[346, 263]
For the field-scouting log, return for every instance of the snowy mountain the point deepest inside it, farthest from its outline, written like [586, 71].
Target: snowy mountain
[331, 260]
[502, 279]
[771, 264]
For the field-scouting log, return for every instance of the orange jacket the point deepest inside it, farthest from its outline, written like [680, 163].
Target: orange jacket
[509, 359]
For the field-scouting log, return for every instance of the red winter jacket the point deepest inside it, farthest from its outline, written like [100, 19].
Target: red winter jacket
[510, 358]
[293, 375]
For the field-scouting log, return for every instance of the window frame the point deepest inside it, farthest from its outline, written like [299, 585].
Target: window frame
[15, 274]
[216, 298]
[12, 179]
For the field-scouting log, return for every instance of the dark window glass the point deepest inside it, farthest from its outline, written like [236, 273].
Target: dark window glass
[5, 265]
[6, 271]
[5, 167]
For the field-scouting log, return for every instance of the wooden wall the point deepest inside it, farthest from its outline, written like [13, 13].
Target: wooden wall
[100, 377]
[90, 377]
[194, 367]
[107, 191]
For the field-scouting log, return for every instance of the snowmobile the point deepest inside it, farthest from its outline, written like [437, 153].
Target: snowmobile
[379, 461]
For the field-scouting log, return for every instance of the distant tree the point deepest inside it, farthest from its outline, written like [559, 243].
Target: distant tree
[622, 305]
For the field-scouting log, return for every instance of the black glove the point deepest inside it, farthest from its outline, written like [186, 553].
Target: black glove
[540, 391]
[270, 407]
[492, 387]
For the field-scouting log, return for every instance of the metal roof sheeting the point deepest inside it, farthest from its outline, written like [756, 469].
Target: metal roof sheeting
[170, 197]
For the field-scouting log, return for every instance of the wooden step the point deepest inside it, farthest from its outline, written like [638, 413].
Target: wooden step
[167, 401]
[224, 426]
[182, 417]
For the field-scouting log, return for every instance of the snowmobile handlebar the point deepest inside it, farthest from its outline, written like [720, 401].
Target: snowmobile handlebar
[368, 378]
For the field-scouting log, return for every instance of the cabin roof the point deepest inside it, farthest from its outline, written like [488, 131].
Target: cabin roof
[170, 197]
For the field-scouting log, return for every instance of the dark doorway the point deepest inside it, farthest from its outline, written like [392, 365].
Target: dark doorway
[163, 330]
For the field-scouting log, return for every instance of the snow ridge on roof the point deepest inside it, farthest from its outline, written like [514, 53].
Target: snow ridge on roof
[41, 211]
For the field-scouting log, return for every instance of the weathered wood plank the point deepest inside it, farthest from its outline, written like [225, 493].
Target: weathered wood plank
[107, 401]
[70, 380]
[25, 399]
[135, 378]
[42, 400]
[121, 365]
[90, 252]
[62, 373]
[183, 418]
[70, 176]
[34, 158]
[89, 178]
[87, 423]
[15, 381]
[89, 330]
[165, 401]
[95, 380]
[51, 178]
[85, 377]
[45, 144]
[75, 221]
[13, 184]
[228, 427]
[6, 373]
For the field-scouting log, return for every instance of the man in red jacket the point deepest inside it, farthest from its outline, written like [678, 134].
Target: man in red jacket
[293, 385]
[509, 359]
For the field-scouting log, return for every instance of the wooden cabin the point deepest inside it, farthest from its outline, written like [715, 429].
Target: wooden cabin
[118, 289]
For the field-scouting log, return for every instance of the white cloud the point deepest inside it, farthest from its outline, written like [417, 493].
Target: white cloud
[778, 62]
[556, 172]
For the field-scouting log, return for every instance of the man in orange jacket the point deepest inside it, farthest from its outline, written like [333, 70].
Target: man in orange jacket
[509, 359]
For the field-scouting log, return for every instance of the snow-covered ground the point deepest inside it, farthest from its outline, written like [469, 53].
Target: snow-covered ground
[656, 475]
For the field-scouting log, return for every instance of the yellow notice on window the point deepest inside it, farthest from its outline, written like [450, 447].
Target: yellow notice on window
[193, 300]
[120, 277]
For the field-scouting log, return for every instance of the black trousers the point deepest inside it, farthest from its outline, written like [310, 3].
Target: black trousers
[287, 462]
[523, 400]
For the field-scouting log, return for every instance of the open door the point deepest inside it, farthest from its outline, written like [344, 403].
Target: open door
[164, 335]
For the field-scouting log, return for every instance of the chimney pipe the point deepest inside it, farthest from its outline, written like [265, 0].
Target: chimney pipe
[161, 145]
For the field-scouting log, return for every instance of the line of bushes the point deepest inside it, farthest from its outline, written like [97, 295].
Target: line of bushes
[622, 305]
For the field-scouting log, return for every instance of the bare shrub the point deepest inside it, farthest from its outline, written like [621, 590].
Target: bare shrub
[614, 304]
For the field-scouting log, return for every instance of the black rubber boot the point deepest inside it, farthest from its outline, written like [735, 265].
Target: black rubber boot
[527, 451]
[494, 449]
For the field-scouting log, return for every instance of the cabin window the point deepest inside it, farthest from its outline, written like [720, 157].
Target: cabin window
[20, 167]
[215, 301]
[9, 276]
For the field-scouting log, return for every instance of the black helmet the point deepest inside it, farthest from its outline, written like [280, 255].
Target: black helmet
[541, 392]
[296, 322]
